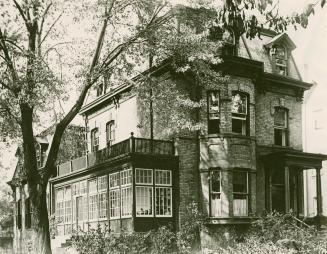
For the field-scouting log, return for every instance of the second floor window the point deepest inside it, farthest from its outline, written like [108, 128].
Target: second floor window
[239, 113]
[213, 112]
[95, 140]
[110, 132]
[280, 126]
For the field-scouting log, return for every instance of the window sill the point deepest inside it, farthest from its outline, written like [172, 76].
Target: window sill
[229, 135]
[230, 220]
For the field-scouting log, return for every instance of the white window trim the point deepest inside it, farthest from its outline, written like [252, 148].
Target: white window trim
[160, 184]
[147, 169]
[152, 203]
[109, 202]
[171, 202]
[121, 202]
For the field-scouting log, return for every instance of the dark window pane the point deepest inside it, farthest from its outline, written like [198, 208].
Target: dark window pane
[238, 126]
[240, 182]
[215, 181]
[278, 135]
[213, 126]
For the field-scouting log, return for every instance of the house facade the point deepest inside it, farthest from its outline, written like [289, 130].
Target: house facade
[247, 159]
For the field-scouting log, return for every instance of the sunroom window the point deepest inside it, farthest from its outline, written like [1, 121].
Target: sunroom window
[240, 193]
[239, 113]
[213, 112]
[153, 195]
[280, 126]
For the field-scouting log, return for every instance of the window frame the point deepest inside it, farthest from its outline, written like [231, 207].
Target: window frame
[284, 129]
[211, 172]
[213, 120]
[277, 57]
[95, 140]
[110, 132]
[91, 194]
[243, 117]
[247, 193]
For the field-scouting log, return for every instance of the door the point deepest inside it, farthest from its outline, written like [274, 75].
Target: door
[277, 190]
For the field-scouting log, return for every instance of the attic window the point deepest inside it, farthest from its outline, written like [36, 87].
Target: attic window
[279, 55]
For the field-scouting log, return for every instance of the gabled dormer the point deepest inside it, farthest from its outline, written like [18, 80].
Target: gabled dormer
[280, 48]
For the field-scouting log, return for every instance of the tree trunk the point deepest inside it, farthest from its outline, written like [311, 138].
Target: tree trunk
[40, 226]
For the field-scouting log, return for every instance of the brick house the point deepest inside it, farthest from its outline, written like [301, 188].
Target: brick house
[246, 160]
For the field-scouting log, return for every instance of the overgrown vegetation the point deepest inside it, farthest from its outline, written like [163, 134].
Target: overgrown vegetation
[273, 233]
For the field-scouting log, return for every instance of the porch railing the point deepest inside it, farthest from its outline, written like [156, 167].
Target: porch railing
[131, 145]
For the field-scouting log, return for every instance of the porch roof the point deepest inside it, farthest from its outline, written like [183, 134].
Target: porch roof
[291, 157]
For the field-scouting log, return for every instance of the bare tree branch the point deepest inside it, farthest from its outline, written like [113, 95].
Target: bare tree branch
[53, 24]
[22, 14]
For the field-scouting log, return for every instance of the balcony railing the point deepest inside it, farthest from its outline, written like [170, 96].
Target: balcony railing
[131, 145]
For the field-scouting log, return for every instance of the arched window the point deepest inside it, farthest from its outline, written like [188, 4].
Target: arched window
[240, 116]
[281, 126]
[95, 140]
[110, 132]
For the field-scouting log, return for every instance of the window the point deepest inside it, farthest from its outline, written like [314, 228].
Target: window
[281, 126]
[280, 59]
[68, 204]
[95, 140]
[159, 195]
[110, 132]
[144, 201]
[121, 194]
[60, 205]
[143, 176]
[93, 200]
[213, 112]
[99, 89]
[239, 113]
[215, 193]
[19, 214]
[103, 202]
[240, 193]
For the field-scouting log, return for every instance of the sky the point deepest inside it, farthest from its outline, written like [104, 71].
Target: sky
[311, 52]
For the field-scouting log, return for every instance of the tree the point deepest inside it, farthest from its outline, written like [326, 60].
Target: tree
[30, 81]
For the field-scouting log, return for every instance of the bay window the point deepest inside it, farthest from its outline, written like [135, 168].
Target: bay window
[281, 126]
[213, 112]
[239, 113]
[240, 193]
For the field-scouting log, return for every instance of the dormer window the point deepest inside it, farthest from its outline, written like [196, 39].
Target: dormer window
[99, 89]
[280, 54]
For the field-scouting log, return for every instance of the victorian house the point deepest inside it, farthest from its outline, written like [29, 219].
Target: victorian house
[247, 160]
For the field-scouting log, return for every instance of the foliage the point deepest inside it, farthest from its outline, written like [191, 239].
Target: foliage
[276, 233]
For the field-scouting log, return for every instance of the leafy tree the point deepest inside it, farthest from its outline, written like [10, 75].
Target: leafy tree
[34, 52]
